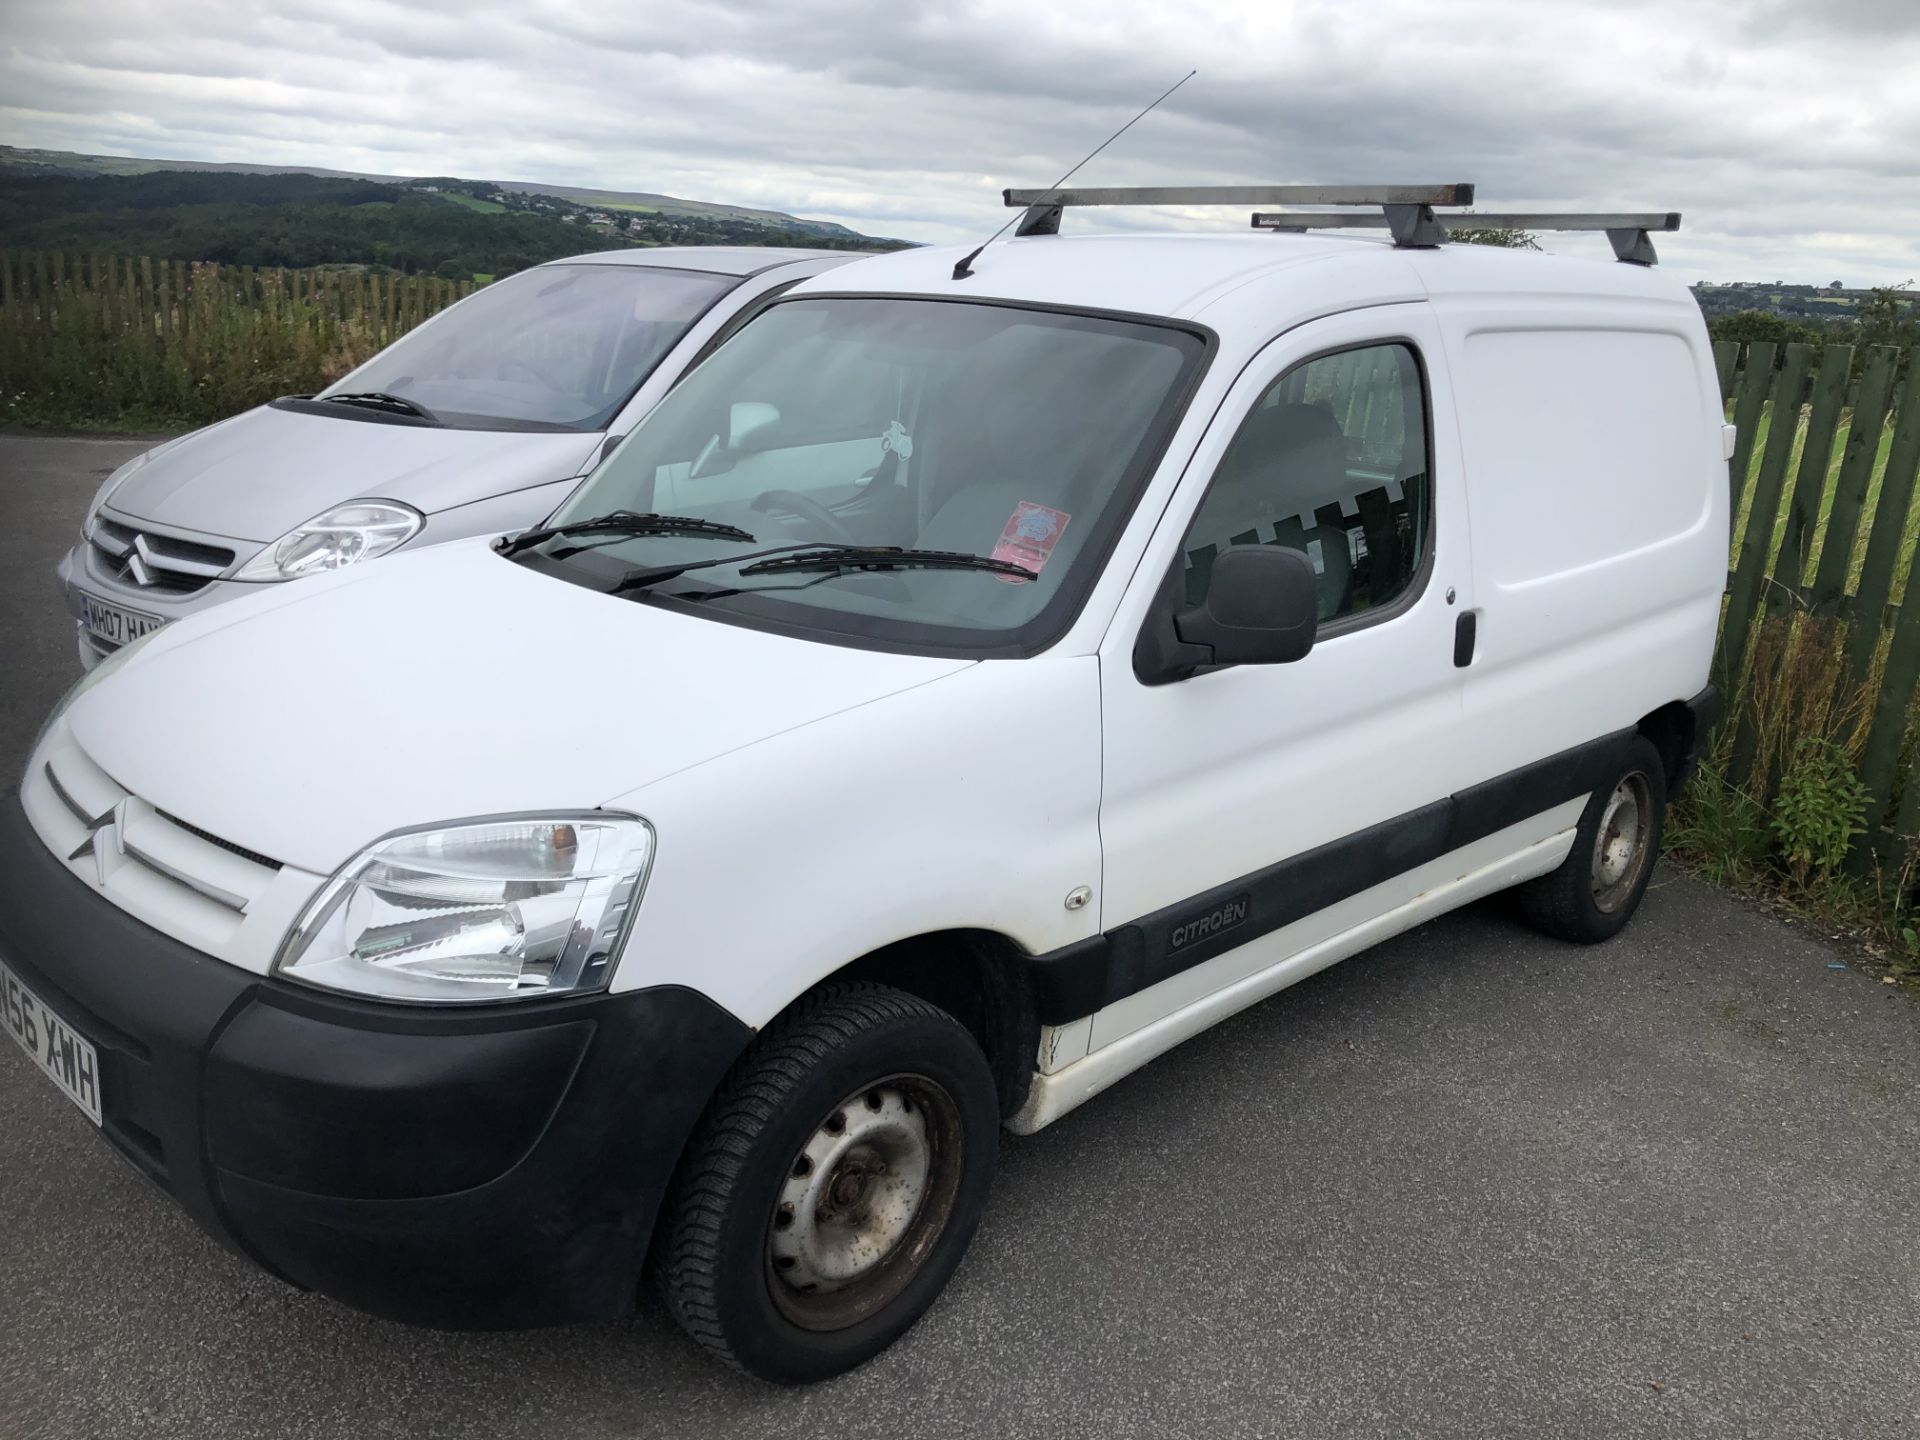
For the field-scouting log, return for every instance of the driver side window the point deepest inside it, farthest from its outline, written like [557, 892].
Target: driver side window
[1332, 461]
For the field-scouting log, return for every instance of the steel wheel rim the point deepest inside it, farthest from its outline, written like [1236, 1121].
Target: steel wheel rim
[1621, 847]
[863, 1201]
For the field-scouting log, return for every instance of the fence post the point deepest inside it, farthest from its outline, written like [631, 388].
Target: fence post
[1746, 418]
[148, 305]
[1886, 539]
[163, 305]
[1856, 475]
[42, 291]
[1763, 515]
[1810, 481]
[1726, 359]
[1880, 755]
[117, 296]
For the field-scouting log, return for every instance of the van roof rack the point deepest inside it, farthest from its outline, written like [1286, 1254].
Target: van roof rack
[1405, 210]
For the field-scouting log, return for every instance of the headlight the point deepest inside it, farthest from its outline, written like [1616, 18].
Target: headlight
[492, 910]
[101, 670]
[357, 530]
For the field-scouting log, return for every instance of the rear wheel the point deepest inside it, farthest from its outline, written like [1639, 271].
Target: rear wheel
[1598, 886]
[833, 1185]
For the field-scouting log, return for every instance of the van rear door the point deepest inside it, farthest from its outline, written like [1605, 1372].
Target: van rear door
[1597, 484]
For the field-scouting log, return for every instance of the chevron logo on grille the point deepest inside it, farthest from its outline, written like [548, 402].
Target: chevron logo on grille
[106, 823]
[137, 562]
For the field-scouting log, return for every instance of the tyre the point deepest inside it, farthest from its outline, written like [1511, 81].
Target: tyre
[832, 1186]
[1598, 886]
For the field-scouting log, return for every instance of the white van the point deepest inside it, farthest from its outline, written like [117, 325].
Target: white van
[478, 421]
[961, 689]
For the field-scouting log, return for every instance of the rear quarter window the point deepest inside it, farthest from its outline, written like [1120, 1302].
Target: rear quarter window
[1581, 446]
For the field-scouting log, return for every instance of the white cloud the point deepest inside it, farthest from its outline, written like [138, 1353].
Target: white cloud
[1789, 133]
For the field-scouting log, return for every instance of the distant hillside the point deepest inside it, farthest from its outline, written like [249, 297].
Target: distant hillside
[1777, 297]
[441, 225]
[1815, 315]
[71, 163]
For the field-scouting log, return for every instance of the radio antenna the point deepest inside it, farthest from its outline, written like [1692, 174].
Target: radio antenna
[965, 267]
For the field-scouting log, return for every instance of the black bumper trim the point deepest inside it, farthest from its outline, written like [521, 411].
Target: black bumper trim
[475, 1168]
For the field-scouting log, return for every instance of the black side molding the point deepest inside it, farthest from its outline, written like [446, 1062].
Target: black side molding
[1093, 973]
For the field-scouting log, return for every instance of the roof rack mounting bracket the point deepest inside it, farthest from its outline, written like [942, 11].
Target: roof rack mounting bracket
[1039, 220]
[1414, 227]
[1632, 247]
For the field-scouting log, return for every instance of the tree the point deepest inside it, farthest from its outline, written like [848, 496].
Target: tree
[623, 223]
[1505, 239]
[1890, 315]
[1750, 325]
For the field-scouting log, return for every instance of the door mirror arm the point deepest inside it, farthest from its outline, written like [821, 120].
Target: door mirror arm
[1262, 607]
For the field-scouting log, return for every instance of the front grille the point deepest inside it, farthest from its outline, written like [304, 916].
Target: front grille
[131, 845]
[189, 882]
[150, 560]
[211, 839]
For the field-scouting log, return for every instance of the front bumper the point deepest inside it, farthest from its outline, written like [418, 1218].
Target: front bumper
[475, 1168]
[80, 571]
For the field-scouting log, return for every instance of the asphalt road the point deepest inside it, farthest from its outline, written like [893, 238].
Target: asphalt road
[1474, 1183]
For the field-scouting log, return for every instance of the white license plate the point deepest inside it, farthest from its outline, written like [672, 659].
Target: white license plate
[114, 624]
[67, 1060]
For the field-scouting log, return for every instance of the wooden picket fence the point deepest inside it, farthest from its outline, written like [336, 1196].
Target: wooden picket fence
[164, 297]
[1822, 481]
[132, 342]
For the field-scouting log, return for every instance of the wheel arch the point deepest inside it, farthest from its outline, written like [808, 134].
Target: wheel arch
[1677, 730]
[980, 977]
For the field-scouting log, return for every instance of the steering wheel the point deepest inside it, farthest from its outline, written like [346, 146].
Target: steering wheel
[792, 502]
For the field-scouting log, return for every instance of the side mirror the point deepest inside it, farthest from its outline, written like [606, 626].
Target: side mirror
[1262, 607]
[746, 419]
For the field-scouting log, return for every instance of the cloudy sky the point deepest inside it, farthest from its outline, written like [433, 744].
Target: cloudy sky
[1788, 131]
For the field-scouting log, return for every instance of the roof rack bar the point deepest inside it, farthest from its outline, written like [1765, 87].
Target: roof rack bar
[1460, 193]
[1659, 220]
[1417, 225]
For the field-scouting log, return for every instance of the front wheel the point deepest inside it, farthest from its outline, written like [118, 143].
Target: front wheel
[1598, 886]
[833, 1185]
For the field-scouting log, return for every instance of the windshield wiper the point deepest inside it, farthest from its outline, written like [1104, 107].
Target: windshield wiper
[812, 555]
[624, 522]
[381, 400]
[887, 557]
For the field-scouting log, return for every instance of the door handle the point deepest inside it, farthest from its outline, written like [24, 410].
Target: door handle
[1464, 630]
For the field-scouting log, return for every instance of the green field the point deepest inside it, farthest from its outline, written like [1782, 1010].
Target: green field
[474, 202]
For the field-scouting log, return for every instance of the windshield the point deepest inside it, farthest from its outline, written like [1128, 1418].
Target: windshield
[1017, 434]
[558, 346]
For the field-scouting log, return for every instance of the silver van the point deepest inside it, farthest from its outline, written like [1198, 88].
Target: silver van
[480, 420]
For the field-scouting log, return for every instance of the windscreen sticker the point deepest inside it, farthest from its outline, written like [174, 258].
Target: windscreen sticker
[1029, 537]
